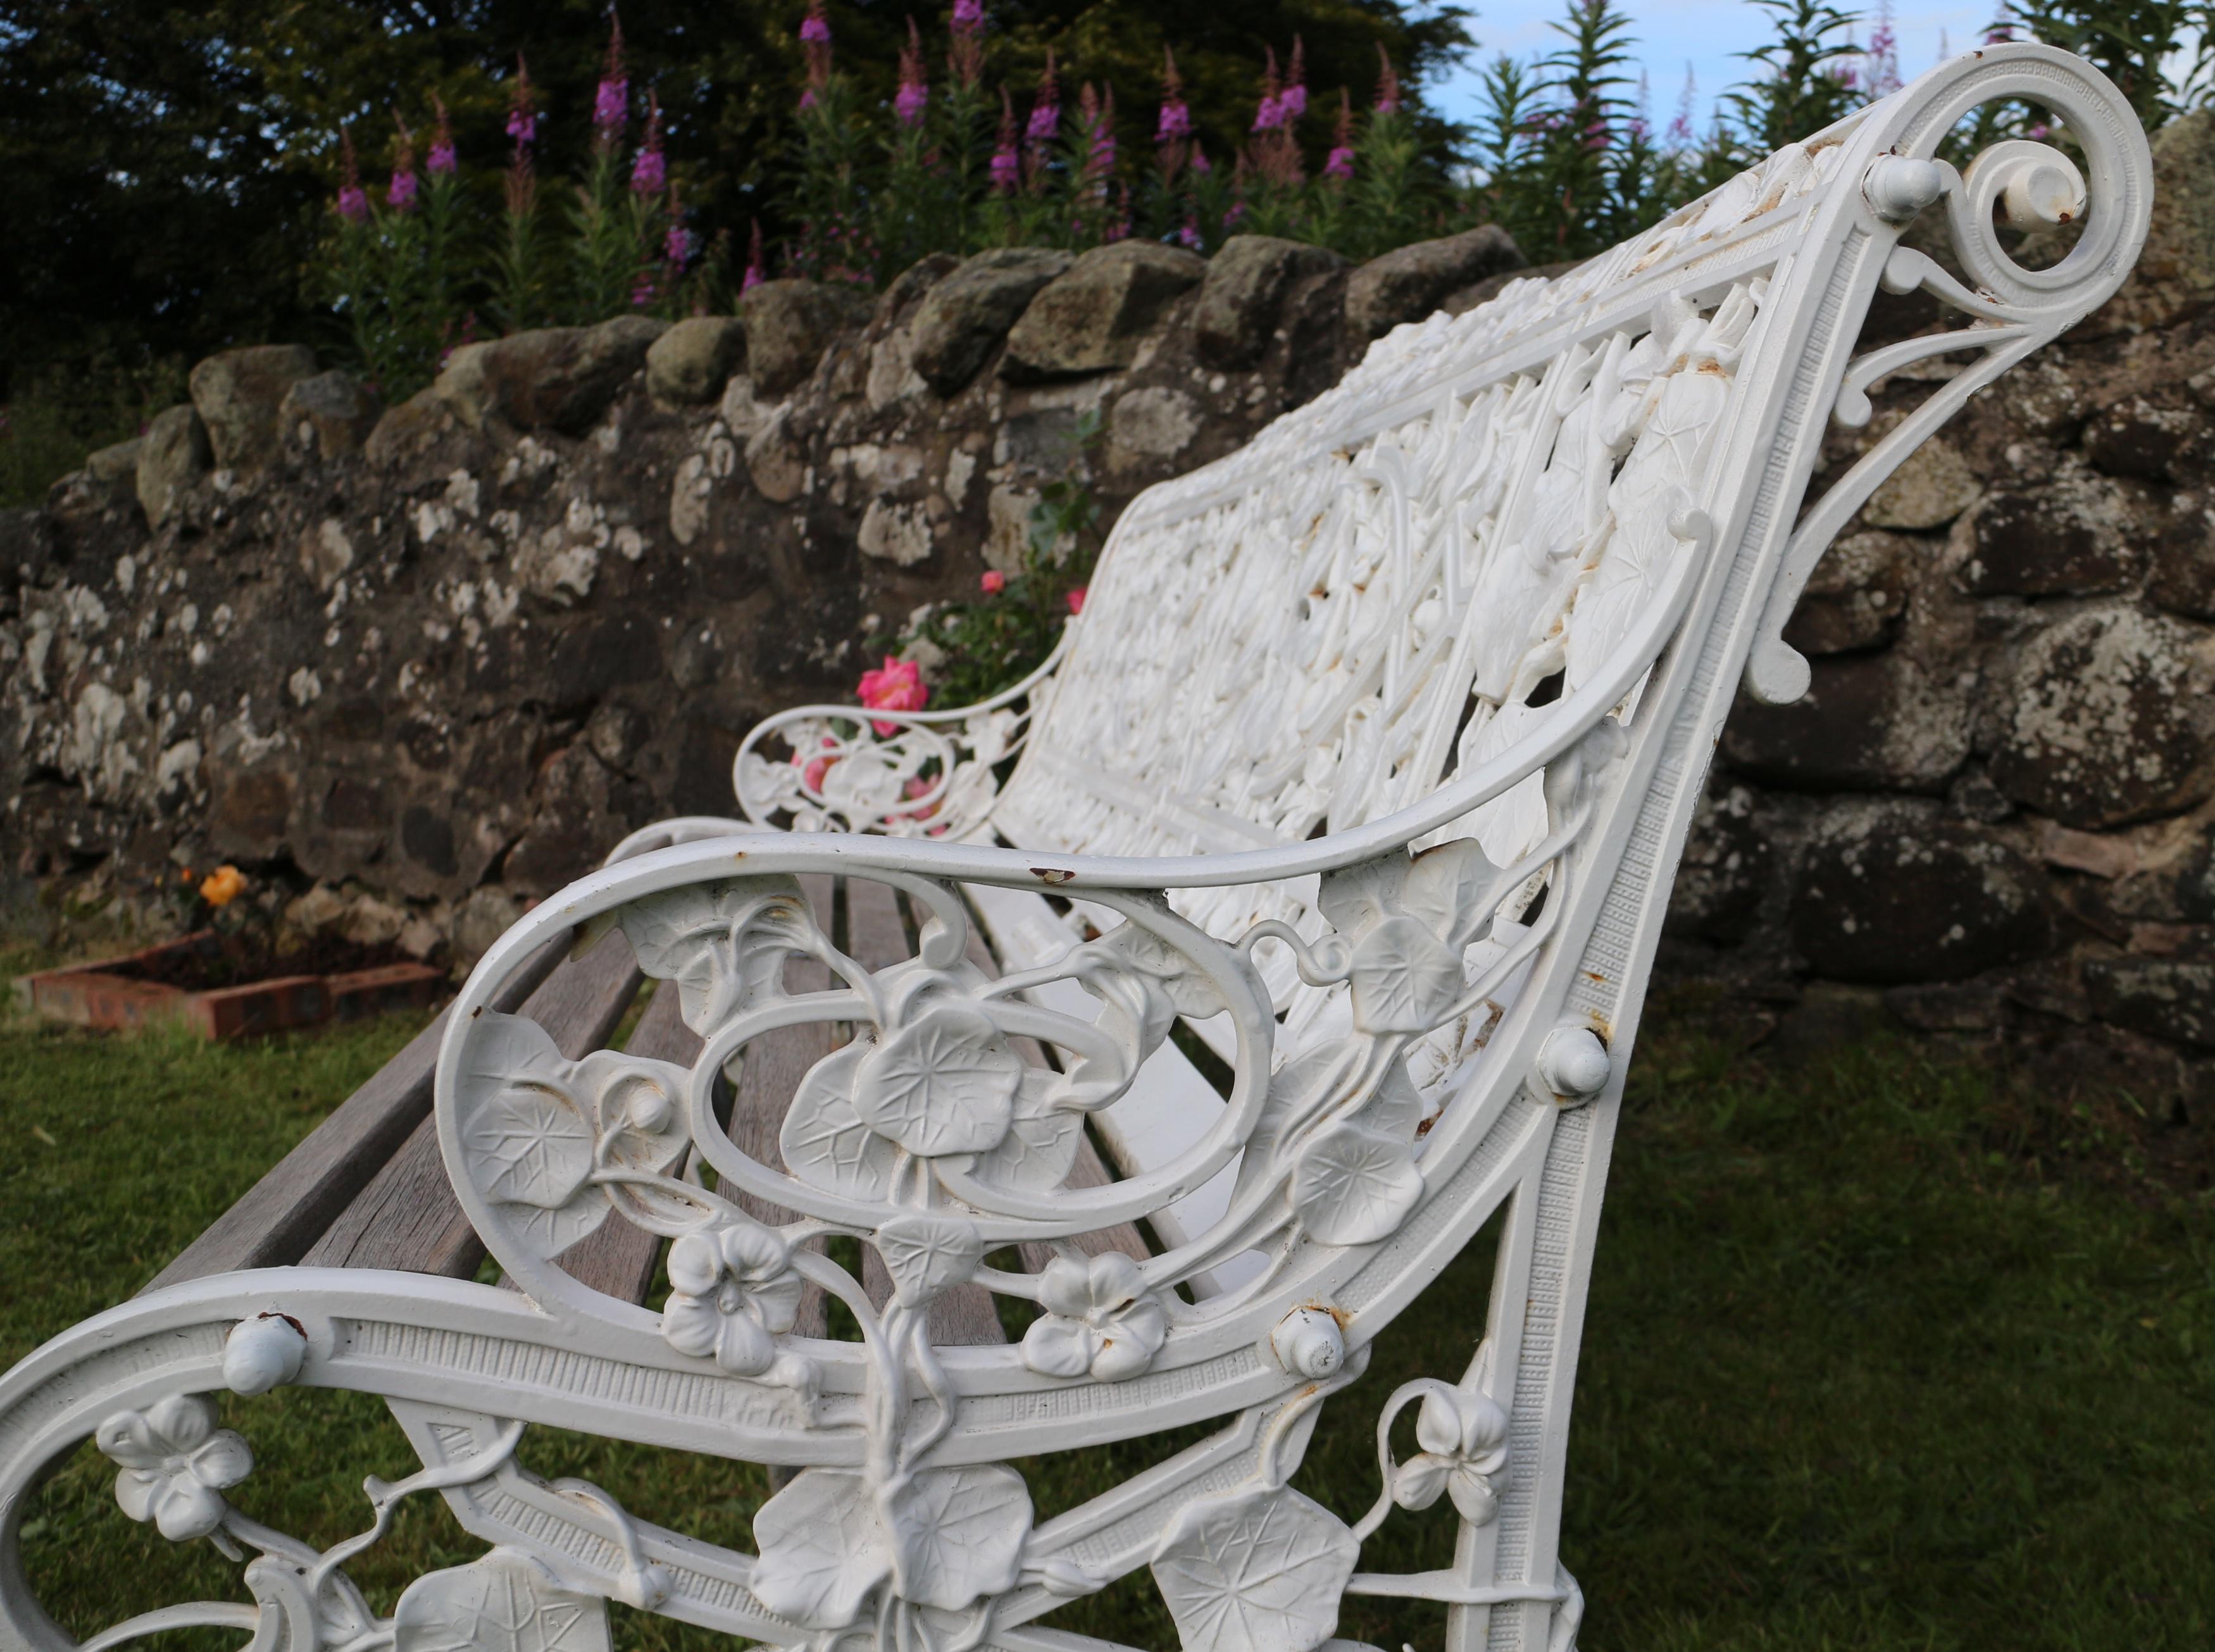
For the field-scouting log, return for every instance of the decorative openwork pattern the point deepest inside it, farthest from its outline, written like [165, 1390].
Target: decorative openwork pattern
[1369, 763]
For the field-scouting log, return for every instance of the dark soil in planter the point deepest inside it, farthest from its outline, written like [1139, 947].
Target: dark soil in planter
[235, 960]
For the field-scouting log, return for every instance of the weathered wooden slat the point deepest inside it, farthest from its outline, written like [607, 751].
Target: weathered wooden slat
[876, 939]
[617, 1257]
[278, 1218]
[775, 1063]
[408, 1217]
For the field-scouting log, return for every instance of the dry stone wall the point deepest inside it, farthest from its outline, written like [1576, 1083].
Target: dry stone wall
[416, 667]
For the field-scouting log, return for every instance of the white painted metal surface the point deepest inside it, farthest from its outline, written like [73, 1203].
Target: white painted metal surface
[1489, 598]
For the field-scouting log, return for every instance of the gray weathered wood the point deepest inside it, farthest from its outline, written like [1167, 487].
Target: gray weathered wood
[408, 1217]
[278, 1218]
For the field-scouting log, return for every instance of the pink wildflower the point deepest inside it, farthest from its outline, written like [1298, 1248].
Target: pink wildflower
[650, 172]
[1045, 106]
[1007, 163]
[756, 273]
[897, 686]
[400, 194]
[966, 56]
[994, 581]
[1099, 117]
[1077, 599]
[815, 41]
[1292, 101]
[1339, 163]
[913, 97]
[353, 199]
[611, 99]
[813, 771]
[1388, 83]
[522, 117]
[1200, 162]
[968, 16]
[1176, 122]
[440, 161]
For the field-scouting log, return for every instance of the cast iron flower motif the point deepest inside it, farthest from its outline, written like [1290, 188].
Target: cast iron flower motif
[175, 1464]
[1099, 1320]
[733, 1293]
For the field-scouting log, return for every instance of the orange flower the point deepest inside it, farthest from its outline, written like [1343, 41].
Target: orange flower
[222, 886]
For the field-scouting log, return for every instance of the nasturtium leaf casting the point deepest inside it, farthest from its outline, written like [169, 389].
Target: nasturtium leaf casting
[1355, 1185]
[1259, 1570]
[505, 1602]
[945, 1083]
[924, 1254]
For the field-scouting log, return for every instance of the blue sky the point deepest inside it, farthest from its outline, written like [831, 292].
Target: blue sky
[1703, 33]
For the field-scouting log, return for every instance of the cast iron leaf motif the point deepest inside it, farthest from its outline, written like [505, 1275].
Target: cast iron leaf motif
[925, 1254]
[724, 944]
[825, 1141]
[505, 1602]
[1355, 1185]
[1255, 1571]
[945, 1083]
[957, 1533]
[822, 1548]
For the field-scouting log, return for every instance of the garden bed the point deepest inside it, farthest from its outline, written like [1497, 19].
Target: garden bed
[227, 987]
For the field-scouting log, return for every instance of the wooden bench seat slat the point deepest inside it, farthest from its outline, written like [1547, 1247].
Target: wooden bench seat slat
[277, 1219]
[408, 1217]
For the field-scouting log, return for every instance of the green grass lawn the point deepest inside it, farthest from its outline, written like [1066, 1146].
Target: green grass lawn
[1863, 1370]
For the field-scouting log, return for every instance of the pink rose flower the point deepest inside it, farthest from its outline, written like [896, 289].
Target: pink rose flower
[1076, 600]
[994, 581]
[895, 686]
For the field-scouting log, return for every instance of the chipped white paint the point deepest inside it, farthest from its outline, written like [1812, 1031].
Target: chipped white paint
[1492, 595]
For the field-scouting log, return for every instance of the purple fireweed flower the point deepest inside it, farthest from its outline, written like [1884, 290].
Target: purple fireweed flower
[756, 273]
[650, 171]
[1176, 122]
[642, 295]
[815, 29]
[815, 41]
[913, 99]
[611, 99]
[1199, 163]
[440, 160]
[677, 246]
[1292, 102]
[1189, 235]
[2000, 34]
[400, 194]
[354, 204]
[1339, 163]
[1269, 115]
[523, 126]
[1007, 168]
[1046, 119]
[807, 99]
[1388, 83]
[968, 15]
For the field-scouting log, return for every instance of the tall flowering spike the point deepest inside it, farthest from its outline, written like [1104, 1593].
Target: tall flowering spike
[1679, 135]
[522, 107]
[1007, 160]
[400, 194]
[1176, 122]
[1292, 101]
[1270, 114]
[650, 171]
[677, 243]
[1339, 166]
[965, 57]
[353, 199]
[1100, 122]
[440, 161]
[1388, 83]
[815, 41]
[913, 99]
[1045, 106]
[756, 272]
[612, 100]
[1884, 54]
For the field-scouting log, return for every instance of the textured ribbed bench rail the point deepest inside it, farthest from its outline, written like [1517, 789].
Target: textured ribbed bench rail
[1128, 1051]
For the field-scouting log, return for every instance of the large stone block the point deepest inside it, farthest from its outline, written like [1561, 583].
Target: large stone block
[1867, 723]
[2184, 562]
[328, 415]
[2061, 540]
[2109, 718]
[559, 378]
[1093, 318]
[691, 362]
[172, 455]
[239, 393]
[2163, 997]
[1933, 485]
[1244, 291]
[1408, 284]
[790, 324]
[2175, 278]
[1856, 595]
[1888, 897]
[962, 319]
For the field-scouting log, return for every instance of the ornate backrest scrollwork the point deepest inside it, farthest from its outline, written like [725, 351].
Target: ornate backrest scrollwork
[1477, 613]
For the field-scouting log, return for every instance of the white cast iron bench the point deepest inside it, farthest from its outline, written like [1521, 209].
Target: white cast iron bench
[1489, 600]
